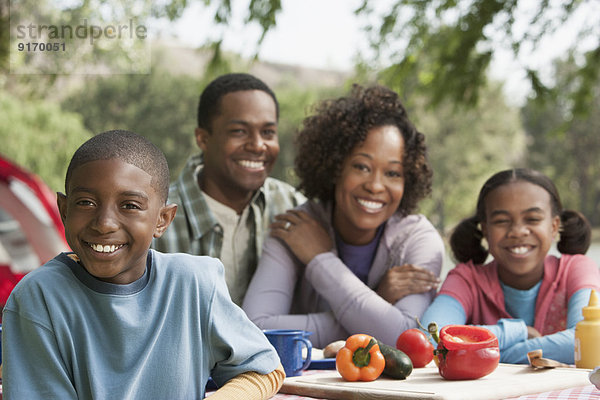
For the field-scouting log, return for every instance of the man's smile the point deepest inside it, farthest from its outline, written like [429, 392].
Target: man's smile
[253, 165]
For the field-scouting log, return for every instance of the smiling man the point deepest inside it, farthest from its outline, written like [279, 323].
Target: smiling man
[226, 199]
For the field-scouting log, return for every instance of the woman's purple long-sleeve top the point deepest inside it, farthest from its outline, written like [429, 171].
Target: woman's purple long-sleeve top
[326, 298]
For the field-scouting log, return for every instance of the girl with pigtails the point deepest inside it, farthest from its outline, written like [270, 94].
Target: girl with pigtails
[525, 296]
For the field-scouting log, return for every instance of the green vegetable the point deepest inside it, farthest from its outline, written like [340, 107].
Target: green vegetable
[397, 363]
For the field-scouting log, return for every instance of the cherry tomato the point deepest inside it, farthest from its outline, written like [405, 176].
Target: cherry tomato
[417, 347]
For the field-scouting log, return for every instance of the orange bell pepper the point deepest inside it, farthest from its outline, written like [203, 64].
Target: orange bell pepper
[360, 359]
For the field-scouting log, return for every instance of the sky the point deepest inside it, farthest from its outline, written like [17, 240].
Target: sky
[326, 34]
[311, 33]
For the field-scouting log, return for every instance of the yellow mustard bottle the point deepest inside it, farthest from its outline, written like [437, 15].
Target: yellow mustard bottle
[587, 335]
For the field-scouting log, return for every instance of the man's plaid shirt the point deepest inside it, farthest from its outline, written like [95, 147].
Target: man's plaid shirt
[195, 229]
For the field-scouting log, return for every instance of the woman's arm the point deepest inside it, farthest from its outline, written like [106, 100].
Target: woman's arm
[268, 301]
[358, 307]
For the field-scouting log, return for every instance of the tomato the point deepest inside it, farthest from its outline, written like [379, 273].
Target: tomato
[360, 359]
[417, 347]
[467, 352]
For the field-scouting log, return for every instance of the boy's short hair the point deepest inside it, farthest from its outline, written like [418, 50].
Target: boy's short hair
[128, 147]
[210, 99]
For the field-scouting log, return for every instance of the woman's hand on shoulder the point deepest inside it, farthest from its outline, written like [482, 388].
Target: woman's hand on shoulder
[303, 234]
[402, 280]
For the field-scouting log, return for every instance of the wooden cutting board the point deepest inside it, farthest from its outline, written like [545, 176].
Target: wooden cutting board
[508, 380]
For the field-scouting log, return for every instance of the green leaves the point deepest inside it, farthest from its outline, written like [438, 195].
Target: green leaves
[40, 136]
[454, 42]
[563, 138]
[159, 106]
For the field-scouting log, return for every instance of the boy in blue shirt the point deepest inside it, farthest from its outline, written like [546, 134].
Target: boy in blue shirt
[114, 319]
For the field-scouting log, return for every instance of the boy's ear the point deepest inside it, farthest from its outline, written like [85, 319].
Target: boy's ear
[201, 138]
[165, 217]
[61, 202]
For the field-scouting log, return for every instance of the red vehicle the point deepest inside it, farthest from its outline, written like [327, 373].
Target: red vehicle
[31, 231]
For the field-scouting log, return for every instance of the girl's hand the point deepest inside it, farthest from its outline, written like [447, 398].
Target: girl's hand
[400, 281]
[532, 333]
[304, 235]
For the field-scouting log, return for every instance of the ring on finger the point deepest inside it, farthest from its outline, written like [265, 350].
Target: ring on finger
[287, 225]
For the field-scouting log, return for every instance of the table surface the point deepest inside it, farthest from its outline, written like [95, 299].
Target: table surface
[575, 393]
[578, 393]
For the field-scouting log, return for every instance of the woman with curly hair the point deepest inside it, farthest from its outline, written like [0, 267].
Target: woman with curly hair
[355, 258]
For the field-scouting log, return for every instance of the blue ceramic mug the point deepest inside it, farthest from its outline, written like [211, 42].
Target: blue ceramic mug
[289, 344]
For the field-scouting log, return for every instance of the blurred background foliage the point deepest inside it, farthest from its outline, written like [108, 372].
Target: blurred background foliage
[435, 54]
[40, 136]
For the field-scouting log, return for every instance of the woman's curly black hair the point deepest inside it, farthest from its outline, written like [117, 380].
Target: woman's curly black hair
[338, 125]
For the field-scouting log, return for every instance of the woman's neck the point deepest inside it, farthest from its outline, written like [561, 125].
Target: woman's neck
[350, 234]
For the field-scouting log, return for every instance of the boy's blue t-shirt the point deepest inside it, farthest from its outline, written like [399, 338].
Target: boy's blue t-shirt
[67, 335]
